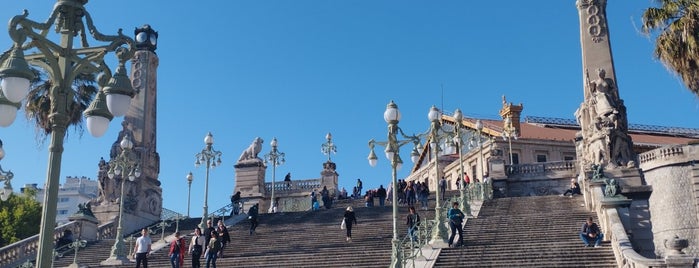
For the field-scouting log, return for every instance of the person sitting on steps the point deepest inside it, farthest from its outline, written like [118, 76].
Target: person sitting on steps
[590, 232]
[574, 188]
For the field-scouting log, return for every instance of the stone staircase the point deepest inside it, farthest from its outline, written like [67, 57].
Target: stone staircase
[294, 239]
[537, 231]
[509, 232]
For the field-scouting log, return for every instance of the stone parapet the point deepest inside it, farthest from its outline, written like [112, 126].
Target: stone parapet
[674, 202]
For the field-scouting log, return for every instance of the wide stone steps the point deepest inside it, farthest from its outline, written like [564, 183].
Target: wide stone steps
[527, 232]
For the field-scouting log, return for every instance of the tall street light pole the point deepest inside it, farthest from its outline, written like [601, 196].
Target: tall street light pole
[458, 118]
[439, 233]
[275, 158]
[211, 158]
[126, 166]
[6, 177]
[62, 63]
[328, 147]
[392, 117]
[190, 178]
[479, 127]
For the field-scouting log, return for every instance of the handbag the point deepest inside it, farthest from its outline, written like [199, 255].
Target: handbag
[343, 225]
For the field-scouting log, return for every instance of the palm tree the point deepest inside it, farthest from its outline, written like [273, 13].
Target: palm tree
[677, 42]
[38, 106]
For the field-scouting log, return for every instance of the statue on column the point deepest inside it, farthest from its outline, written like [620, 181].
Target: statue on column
[602, 120]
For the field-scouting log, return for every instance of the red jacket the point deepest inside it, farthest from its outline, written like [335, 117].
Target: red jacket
[174, 246]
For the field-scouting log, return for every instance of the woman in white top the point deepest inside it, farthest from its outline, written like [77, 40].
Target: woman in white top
[196, 247]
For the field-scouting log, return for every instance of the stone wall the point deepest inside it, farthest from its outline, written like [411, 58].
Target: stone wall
[673, 203]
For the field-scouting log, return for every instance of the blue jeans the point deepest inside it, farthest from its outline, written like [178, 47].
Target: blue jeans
[412, 232]
[381, 201]
[175, 260]
[211, 259]
[586, 239]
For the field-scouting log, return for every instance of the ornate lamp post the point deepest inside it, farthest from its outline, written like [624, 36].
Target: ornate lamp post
[458, 118]
[6, 177]
[126, 166]
[392, 116]
[439, 233]
[509, 132]
[190, 178]
[62, 62]
[275, 158]
[76, 245]
[479, 127]
[328, 147]
[212, 159]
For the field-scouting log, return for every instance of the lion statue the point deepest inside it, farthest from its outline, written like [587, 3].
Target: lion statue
[251, 152]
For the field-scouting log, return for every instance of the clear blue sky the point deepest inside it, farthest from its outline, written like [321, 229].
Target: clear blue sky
[297, 70]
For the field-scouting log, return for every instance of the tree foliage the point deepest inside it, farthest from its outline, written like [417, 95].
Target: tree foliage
[676, 23]
[38, 105]
[20, 217]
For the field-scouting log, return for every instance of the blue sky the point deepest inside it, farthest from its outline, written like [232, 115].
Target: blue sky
[297, 70]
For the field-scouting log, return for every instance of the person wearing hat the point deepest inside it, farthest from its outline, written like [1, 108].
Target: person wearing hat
[574, 188]
[349, 219]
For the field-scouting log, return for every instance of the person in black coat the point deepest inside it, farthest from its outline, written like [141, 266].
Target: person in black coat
[574, 188]
[252, 216]
[349, 220]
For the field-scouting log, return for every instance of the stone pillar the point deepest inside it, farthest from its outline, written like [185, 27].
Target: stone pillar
[250, 180]
[329, 178]
[87, 227]
[602, 115]
[143, 200]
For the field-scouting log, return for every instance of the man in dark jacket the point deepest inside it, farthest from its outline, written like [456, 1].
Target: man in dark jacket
[381, 194]
[252, 216]
[590, 232]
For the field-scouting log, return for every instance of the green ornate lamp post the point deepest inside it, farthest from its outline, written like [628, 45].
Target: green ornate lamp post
[62, 62]
[458, 125]
[328, 147]
[190, 178]
[439, 233]
[275, 158]
[479, 128]
[212, 159]
[6, 177]
[126, 166]
[392, 117]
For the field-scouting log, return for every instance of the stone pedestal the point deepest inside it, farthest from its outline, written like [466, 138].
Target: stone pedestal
[329, 177]
[87, 225]
[250, 179]
[132, 222]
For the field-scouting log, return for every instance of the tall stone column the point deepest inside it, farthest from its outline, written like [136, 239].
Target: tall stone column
[142, 119]
[143, 197]
[602, 115]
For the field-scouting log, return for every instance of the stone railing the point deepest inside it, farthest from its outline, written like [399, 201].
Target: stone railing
[107, 230]
[625, 254]
[535, 169]
[668, 155]
[294, 186]
[661, 153]
[26, 249]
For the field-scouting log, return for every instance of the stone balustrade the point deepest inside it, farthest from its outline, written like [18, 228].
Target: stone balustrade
[625, 254]
[535, 169]
[668, 155]
[294, 186]
[26, 249]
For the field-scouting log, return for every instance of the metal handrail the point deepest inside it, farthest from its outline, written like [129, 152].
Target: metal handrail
[423, 236]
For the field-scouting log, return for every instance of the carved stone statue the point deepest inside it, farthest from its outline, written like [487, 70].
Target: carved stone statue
[85, 209]
[603, 125]
[251, 152]
[602, 90]
[612, 188]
